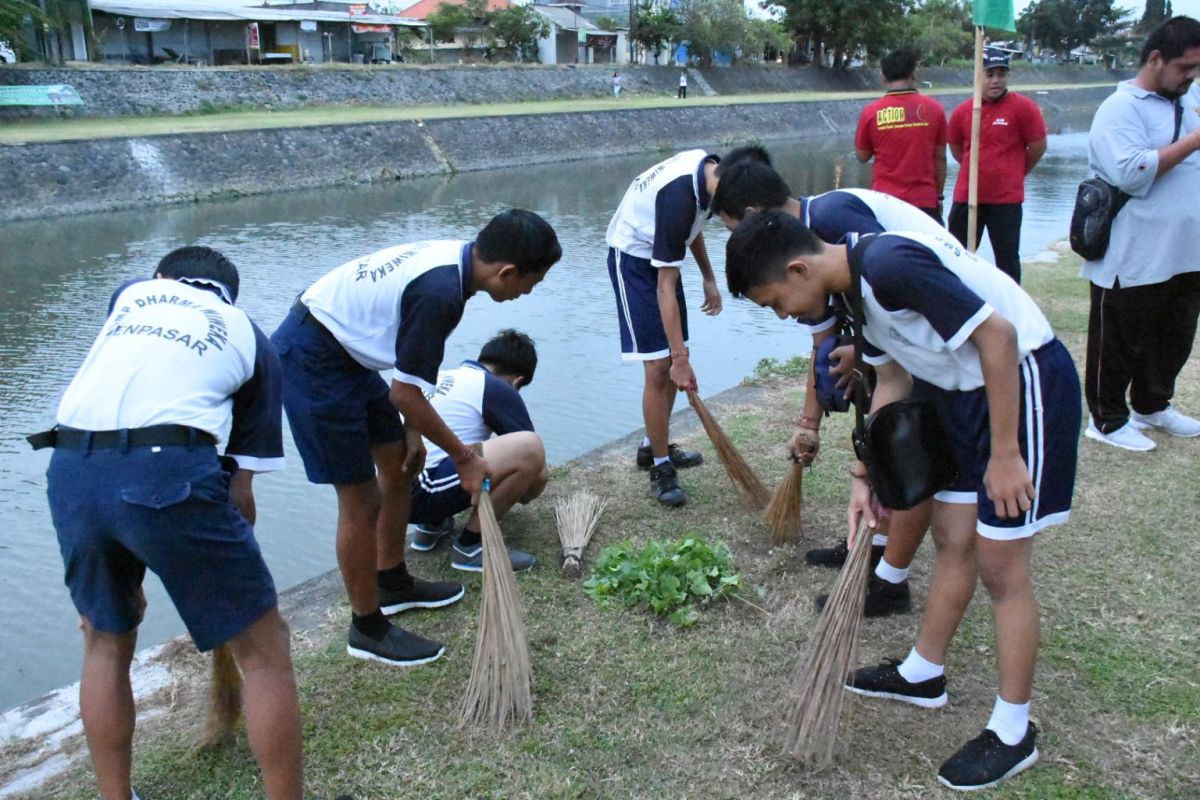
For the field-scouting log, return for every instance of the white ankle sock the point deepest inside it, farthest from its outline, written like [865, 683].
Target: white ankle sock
[1010, 721]
[645, 441]
[885, 571]
[916, 669]
[662, 460]
[879, 540]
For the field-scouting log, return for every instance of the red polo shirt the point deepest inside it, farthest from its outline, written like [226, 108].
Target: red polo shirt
[903, 129]
[1007, 127]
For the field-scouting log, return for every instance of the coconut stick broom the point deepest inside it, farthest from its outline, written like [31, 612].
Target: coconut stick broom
[815, 700]
[500, 690]
[753, 493]
[225, 697]
[576, 517]
[786, 510]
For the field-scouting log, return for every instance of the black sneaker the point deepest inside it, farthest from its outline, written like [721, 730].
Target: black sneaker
[664, 483]
[883, 598]
[985, 761]
[398, 648]
[886, 681]
[469, 558]
[427, 537]
[420, 594]
[680, 459]
[834, 557]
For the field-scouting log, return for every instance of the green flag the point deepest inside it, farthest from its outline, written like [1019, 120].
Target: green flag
[994, 14]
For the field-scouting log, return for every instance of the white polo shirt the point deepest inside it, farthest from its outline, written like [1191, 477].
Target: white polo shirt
[663, 210]
[474, 404]
[396, 307]
[834, 215]
[924, 296]
[174, 354]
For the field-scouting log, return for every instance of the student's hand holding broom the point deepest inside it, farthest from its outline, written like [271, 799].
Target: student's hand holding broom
[805, 442]
[682, 374]
[862, 502]
[472, 471]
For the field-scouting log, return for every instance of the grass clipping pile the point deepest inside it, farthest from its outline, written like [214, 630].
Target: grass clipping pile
[500, 692]
[753, 493]
[576, 517]
[815, 699]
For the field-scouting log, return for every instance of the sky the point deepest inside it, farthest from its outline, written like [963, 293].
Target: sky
[1190, 8]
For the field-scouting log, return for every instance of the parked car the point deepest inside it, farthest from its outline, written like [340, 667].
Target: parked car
[7, 54]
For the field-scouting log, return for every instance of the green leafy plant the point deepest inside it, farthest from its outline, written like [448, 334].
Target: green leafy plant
[669, 578]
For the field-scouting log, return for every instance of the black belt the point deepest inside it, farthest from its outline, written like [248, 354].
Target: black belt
[152, 436]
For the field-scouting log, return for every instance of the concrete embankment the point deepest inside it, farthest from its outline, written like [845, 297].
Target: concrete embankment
[133, 91]
[50, 179]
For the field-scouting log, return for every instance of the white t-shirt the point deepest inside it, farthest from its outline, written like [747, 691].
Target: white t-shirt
[396, 307]
[923, 297]
[174, 354]
[663, 210]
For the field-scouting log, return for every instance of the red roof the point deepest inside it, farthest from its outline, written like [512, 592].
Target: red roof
[426, 7]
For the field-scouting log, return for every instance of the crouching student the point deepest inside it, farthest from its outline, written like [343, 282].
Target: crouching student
[136, 482]
[393, 310]
[1008, 395]
[476, 400]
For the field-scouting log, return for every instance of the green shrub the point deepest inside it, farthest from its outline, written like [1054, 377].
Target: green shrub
[669, 578]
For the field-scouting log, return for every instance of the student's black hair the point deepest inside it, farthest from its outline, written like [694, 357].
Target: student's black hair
[200, 264]
[749, 184]
[510, 352]
[900, 64]
[760, 248]
[521, 238]
[739, 155]
[1172, 39]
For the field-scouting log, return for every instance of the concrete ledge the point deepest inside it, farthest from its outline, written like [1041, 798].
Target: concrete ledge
[53, 179]
[132, 91]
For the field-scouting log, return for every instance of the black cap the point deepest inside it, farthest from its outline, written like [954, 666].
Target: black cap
[995, 58]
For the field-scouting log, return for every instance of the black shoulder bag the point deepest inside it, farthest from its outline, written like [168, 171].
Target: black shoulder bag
[907, 452]
[1097, 203]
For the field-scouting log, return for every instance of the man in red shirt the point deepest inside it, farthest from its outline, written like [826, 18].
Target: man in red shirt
[905, 132]
[1012, 138]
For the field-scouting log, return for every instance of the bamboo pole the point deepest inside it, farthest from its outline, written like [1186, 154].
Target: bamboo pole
[973, 168]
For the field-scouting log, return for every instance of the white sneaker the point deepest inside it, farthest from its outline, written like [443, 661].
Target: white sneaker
[1127, 437]
[1168, 421]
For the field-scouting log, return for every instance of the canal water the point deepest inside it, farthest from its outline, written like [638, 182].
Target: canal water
[58, 275]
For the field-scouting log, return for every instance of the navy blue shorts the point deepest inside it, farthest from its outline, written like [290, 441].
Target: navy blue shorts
[167, 508]
[437, 493]
[635, 283]
[1048, 434]
[336, 407]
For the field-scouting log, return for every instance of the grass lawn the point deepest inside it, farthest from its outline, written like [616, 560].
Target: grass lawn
[55, 130]
[627, 705]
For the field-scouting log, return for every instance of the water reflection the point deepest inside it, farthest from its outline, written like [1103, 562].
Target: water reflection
[58, 275]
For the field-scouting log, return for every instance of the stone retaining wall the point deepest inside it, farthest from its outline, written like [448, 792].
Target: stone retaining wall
[39, 180]
[165, 90]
